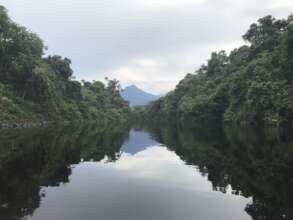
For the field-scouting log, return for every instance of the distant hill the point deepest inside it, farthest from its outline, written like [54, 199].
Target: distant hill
[137, 97]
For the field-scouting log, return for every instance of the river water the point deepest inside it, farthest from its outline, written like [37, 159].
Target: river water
[154, 173]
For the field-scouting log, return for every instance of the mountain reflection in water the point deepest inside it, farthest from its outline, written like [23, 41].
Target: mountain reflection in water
[161, 172]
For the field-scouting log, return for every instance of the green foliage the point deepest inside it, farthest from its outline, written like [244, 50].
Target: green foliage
[252, 85]
[20, 52]
[33, 87]
[60, 66]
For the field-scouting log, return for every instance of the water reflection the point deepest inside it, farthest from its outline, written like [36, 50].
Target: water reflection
[33, 158]
[153, 183]
[255, 162]
[138, 141]
[153, 172]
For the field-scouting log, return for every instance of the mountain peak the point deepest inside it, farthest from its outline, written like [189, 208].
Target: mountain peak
[136, 96]
[132, 87]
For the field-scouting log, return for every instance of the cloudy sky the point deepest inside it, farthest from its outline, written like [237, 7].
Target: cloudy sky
[150, 43]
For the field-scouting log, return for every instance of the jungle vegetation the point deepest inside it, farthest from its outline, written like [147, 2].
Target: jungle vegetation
[36, 87]
[251, 85]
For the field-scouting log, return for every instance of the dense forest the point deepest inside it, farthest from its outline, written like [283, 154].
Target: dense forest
[35, 87]
[251, 85]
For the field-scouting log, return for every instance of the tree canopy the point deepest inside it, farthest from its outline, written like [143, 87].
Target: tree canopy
[34, 87]
[251, 85]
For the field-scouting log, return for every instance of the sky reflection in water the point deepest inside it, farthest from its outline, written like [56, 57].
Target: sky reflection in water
[148, 182]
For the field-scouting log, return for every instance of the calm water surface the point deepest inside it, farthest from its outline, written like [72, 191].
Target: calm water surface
[92, 173]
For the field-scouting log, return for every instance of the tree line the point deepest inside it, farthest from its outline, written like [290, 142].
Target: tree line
[38, 87]
[251, 85]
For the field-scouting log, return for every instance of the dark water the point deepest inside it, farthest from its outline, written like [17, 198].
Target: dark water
[154, 173]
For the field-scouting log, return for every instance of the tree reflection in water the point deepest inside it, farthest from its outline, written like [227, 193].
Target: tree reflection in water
[32, 158]
[253, 162]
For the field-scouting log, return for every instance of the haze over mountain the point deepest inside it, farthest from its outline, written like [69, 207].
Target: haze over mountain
[137, 97]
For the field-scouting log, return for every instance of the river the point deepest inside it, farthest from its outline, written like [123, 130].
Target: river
[145, 173]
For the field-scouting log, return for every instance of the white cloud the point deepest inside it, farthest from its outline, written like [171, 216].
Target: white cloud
[282, 3]
[171, 3]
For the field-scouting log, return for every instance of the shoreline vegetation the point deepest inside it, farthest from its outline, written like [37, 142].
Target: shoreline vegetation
[24, 124]
[253, 85]
[36, 89]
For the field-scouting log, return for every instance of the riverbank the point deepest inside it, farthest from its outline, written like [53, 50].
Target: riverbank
[24, 124]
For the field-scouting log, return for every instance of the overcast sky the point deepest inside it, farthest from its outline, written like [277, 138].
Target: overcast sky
[150, 43]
